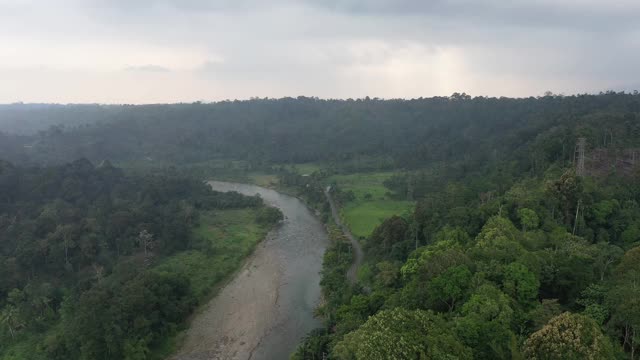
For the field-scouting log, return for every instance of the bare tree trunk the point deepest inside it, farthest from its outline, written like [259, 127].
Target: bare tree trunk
[611, 138]
[626, 341]
[633, 344]
[575, 222]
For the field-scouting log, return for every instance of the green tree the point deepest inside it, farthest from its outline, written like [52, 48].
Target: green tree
[498, 241]
[485, 324]
[543, 312]
[568, 337]
[593, 300]
[624, 301]
[566, 192]
[520, 283]
[387, 273]
[391, 232]
[450, 287]
[10, 317]
[528, 219]
[402, 334]
[456, 234]
[606, 255]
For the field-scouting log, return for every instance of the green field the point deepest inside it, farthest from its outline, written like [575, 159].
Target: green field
[305, 168]
[372, 204]
[229, 236]
[262, 179]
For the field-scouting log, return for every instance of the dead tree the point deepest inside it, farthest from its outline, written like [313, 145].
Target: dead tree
[146, 240]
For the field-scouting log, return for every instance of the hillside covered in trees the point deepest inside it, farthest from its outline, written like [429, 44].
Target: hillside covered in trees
[546, 269]
[399, 133]
[510, 248]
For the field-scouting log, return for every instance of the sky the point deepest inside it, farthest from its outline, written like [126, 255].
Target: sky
[152, 51]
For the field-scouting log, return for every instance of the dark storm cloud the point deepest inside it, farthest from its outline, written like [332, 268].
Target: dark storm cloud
[583, 14]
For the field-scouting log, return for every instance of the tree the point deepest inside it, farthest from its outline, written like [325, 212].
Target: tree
[402, 334]
[122, 319]
[433, 260]
[387, 273]
[450, 287]
[631, 234]
[269, 215]
[146, 241]
[568, 337]
[566, 191]
[528, 219]
[605, 256]
[11, 319]
[543, 312]
[485, 324]
[593, 299]
[456, 234]
[624, 301]
[520, 283]
[392, 231]
[498, 241]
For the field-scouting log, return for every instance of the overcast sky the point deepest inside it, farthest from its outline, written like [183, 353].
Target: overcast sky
[147, 51]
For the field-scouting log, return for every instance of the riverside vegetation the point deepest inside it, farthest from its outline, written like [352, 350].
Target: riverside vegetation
[96, 264]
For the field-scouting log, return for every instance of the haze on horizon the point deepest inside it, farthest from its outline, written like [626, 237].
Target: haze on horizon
[148, 51]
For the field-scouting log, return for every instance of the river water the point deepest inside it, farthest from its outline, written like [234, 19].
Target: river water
[267, 308]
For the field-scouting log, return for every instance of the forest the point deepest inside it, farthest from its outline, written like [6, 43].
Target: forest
[499, 276]
[489, 232]
[364, 133]
[86, 258]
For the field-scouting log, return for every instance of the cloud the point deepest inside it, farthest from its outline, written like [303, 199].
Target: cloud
[210, 50]
[584, 14]
[148, 68]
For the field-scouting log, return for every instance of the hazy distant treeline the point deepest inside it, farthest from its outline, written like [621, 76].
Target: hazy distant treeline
[409, 132]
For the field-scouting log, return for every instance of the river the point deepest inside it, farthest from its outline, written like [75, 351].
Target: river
[267, 308]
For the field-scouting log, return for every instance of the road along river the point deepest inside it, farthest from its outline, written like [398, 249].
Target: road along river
[266, 309]
[358, 254]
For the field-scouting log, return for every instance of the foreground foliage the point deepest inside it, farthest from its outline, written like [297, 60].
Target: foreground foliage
[519, 257]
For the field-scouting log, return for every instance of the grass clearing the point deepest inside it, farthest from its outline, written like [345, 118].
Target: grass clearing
[372, 202]
[264, 180]
[229, 236]
[305, 168]
[364, 183]
[363, 217]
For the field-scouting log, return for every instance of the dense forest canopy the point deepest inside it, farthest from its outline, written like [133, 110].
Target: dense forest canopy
[29, 119]
[408, 133]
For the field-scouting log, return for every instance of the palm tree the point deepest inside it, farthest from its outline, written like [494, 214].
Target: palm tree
[10, 318]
